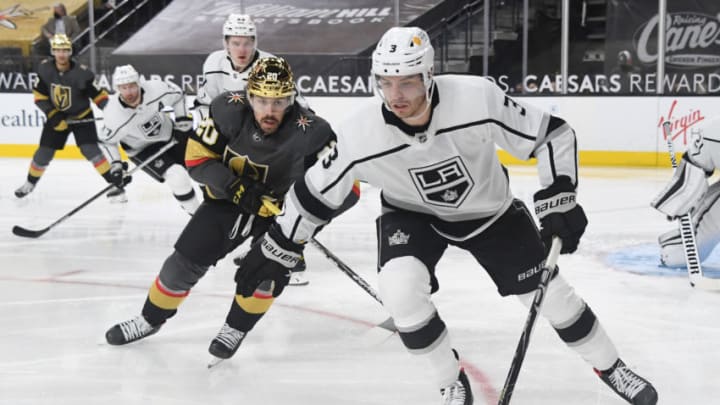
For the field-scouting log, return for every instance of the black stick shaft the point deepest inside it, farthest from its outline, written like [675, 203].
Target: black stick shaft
[545, 277]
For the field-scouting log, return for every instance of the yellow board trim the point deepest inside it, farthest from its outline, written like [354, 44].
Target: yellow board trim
[604, 158]
[587, 158]
[70, 151]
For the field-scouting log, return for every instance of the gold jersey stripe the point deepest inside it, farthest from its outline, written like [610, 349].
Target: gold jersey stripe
[197, 151]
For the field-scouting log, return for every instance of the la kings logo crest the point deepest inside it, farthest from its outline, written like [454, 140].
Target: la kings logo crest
[446, 183]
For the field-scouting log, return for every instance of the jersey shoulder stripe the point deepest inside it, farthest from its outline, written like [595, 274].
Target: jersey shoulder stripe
[161, 96]
[359, 161]
[484, 122]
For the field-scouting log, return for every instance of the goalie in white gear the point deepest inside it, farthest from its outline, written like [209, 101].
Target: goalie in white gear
[688, 191]
[431, 148]
[135, 119]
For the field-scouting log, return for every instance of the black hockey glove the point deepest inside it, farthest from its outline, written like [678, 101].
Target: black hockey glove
[270, 258]
[247, 194]
[560, 215]
[58, 121]
[117, 175]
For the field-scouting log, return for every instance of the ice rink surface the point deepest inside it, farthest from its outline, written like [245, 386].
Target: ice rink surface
[317, 345]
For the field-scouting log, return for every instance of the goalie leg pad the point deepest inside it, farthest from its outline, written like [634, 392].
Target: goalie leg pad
[684, 192]
[706, 221]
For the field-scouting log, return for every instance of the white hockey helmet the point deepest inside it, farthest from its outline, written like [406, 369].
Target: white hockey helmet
[404, 51]
[125, 74]
[239, 25]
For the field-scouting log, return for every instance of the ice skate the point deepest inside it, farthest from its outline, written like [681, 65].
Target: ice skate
[458, 393]
[225, 344]
[630, 386]
[297, 275]
[24, 190]
[117, 196]
[130, 331]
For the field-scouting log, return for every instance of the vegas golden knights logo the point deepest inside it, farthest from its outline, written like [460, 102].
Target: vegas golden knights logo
[61, 97]
[243, 166]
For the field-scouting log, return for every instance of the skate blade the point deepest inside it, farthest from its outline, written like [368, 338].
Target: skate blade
[215, 361]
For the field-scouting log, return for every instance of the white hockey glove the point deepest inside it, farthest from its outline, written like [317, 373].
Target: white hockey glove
[684, 192]
[183, 124]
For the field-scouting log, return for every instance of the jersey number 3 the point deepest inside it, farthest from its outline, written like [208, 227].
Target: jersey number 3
[329, 153]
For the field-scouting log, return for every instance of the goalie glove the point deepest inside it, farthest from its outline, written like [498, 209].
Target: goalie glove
[270, 258]
[684, 192]
[560, 214]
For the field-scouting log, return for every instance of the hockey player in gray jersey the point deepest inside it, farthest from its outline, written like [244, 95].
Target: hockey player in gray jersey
[253, 146]
[431, 148]
[135, 119]
[227, 69]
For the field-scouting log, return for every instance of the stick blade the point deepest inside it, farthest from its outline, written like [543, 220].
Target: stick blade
[28, 233]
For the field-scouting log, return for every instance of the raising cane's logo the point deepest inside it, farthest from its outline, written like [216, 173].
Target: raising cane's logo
[692, 39]
[680, 124]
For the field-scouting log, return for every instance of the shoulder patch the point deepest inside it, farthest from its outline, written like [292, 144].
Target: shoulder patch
[303, 122]
[235, 97]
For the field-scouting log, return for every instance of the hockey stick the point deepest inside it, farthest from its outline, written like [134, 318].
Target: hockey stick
[545, 276]
[386, 324]
[687, 232]
[84, 120]
[29, 233]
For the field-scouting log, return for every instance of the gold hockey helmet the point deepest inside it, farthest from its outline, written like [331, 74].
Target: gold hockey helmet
[271, 77]
[60, 41]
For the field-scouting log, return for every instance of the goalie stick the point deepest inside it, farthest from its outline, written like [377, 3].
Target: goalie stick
[545, 276]
[29, 233]
[687, 232]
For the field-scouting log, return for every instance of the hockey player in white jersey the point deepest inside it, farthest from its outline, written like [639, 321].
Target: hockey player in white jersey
[431, 148]
[227, 69]
[689, 191]
[135, 119]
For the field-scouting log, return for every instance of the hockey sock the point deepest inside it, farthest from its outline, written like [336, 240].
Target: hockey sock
[245, 312]
[162, 303]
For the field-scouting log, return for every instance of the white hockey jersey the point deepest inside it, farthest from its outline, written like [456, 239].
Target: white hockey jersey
[145, 124]
[704, 145]
[219, 76]
[450, 170]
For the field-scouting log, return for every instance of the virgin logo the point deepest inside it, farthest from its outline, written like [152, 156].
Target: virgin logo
[692, 40]
[680, 124]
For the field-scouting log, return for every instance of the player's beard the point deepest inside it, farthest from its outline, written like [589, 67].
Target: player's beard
[269, 124]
